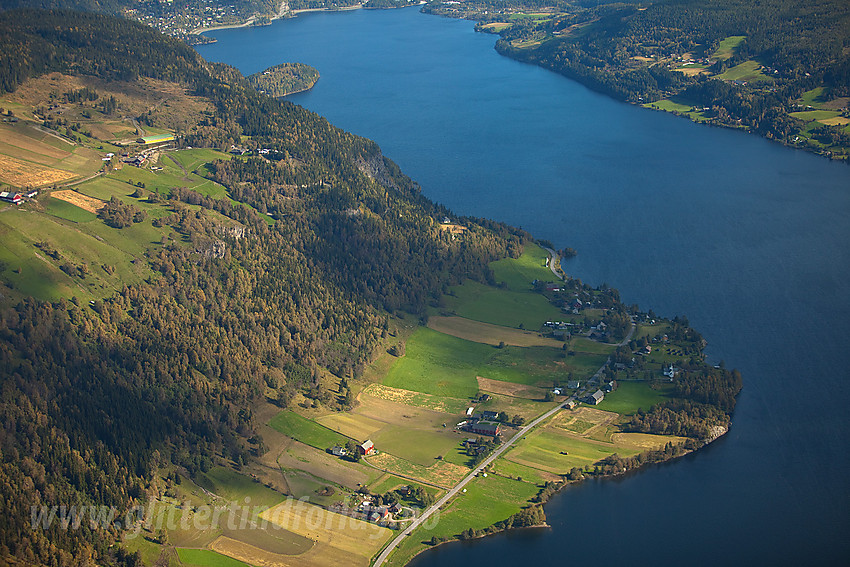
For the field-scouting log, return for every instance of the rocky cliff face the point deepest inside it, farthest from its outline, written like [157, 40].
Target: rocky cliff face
[374, 167]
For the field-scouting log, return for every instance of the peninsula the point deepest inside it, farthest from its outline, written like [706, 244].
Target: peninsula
[235, 334]
[284, 79]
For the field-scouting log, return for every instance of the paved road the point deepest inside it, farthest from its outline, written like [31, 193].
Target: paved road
[552, 256]
[493, 456]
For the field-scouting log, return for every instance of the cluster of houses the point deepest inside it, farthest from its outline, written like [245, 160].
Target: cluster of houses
[365, 448]
[575, 306]
[571, 385]
[382, 515]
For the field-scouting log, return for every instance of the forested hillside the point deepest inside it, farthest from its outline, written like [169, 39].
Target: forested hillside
[779, 68]
[96, 396]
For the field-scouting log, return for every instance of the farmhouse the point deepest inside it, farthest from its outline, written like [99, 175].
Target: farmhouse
[573, 384]
[594, 398]
[487, 415]
[553, 287]
[486, 428]
[10, 197]
[339, 451]
[367, 448]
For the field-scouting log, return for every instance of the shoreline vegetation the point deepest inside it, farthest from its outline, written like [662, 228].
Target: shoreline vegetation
[188, 292]
[775, 82]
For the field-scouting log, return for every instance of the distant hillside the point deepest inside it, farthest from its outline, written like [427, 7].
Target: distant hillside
[779, 68]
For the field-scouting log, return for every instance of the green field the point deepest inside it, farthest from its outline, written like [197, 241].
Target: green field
[417, 446]
[726, 49]
[649, 331]
[77, 243]
[813, 97]
[749, 71]
[518, 273]
[233, 486]
[444, 365]
[630, 396]
[519, 309]
[510, 469]
[675, 104]
[197, 157]
[206, 558]
[816, 114]
[515, 304]
[545, 448]
[485, 502]
[305, 430]
[67, 211]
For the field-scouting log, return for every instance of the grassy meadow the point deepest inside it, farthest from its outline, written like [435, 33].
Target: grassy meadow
[631, 396]
[443, 365]
[305, 430]
[728, 46]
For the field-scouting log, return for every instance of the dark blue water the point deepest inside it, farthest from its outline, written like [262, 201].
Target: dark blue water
[749, 239]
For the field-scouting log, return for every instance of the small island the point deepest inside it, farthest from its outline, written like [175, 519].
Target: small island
[284, 79]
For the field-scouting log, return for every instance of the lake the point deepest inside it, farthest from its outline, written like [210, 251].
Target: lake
[747, 238]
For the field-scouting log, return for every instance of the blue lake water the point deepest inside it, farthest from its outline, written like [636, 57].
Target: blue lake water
[750, 240]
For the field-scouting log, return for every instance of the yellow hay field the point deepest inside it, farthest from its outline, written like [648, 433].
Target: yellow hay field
[85, 202]
[645, 441]
[354, 426]
[836, 121]
[418, 399]
[339, 539]
[25, 174]
[440, 473]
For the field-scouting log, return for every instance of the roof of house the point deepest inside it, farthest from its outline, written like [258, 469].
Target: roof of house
[366, 445]
[486, 427]
[598, 395]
